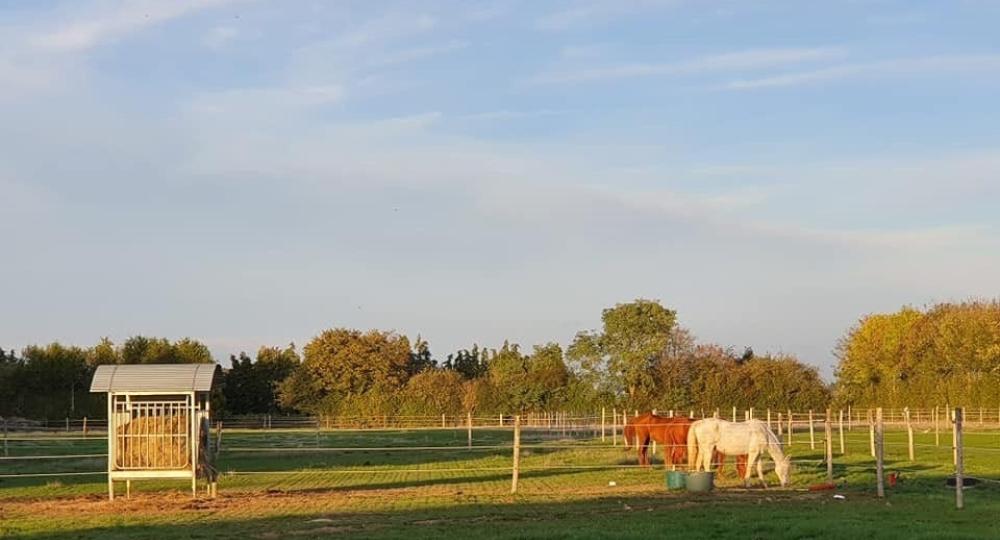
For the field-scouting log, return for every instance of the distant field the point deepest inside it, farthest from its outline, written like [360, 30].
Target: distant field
[286, 485]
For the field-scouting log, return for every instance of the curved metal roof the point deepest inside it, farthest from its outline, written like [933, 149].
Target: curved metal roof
[165, 378]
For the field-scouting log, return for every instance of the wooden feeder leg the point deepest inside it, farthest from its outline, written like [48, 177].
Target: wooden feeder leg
[111, 488]
[128, 489]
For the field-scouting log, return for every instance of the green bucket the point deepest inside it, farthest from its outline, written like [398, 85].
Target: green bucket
[675, 479]
[700, 482]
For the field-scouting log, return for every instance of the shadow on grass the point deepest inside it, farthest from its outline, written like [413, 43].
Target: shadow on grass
[773, 514]
[427, 482]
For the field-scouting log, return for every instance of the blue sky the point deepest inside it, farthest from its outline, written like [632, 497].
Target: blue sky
[250, 172]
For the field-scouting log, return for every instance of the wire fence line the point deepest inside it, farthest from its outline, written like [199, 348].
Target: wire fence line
[777, 418]
[592, 433]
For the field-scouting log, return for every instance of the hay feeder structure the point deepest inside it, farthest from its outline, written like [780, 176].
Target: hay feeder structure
[158, 423]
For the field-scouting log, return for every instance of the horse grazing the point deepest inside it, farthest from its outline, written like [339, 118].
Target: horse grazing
[672, 434]
[751, 437]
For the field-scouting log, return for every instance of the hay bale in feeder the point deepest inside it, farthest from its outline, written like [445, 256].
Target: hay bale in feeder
[154, 442]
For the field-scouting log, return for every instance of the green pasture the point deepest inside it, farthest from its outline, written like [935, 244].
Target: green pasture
[366, 484]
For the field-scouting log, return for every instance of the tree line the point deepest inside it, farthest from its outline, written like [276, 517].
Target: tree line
[947, 353]
[640, 358]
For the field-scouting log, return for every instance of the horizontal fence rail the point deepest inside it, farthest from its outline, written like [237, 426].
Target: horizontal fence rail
[556, 441]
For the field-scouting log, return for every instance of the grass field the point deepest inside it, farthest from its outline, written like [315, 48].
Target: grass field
[307, 484]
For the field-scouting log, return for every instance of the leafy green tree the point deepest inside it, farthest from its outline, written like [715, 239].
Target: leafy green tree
[343, 364]
[10, 371]
[634, 336]
[189, 351]
[508, 374]
[949, 353]
[470, 363]
[149, 350]
[782, 382]
[274, 366]
[53, 378]
[420, 357]
[433, 391]
[547, 377]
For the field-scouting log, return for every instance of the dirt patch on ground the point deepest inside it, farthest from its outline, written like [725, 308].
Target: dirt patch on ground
[334, 502]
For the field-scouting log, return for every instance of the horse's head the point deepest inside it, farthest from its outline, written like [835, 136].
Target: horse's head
[782, 468]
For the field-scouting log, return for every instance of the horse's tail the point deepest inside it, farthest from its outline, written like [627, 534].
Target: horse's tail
[692, 446]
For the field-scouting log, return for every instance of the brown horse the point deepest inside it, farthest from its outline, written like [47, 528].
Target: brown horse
[672, 434]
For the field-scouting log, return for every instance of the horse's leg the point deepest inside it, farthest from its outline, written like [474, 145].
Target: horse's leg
[760, 472]
[721, 464]
[638, 447]
[706, 457]
[751, 459]
[667, 451]
[643, 444]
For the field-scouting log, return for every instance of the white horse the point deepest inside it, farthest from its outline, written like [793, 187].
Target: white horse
[735, 439]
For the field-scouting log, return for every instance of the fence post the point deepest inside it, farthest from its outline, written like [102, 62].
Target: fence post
[67, 424]
[850, 422]
[5, 451]
[909, 431]
[959, 466]
[468, 423]
[841, 428]
[517, 454]
[980, 416]
[750, 414]
[812, 434]
[636, 437]
[84, 426]
[879, 452]
[790, 427]
[769, 418]
[954, 438]
[653, 445]
[871, 432]
[614, 426]
[937, 427]
[734, 413]
[501, 421]
[602, 424]
[829, 447]
[218, 438]
[781, 427]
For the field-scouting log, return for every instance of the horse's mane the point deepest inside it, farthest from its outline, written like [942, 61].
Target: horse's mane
[773, 443]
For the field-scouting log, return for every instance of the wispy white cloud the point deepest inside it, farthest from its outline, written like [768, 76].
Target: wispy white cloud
[506, 114]
[115, 21]
[48, 54]
[249, 100]
[220, 36]
[938, 64]
[582, 14]
[752, 59]
[413, 54]
[587, 51]
[386, 28]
